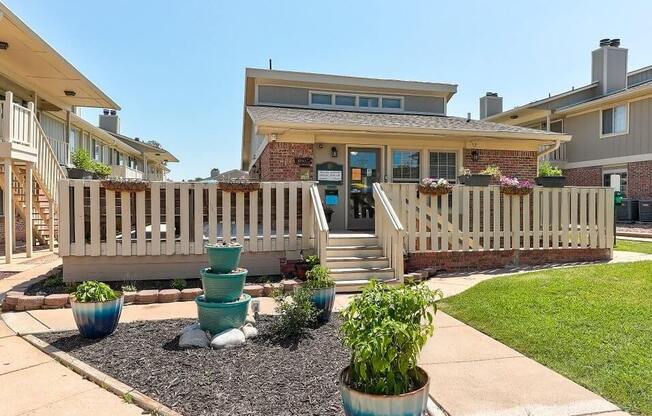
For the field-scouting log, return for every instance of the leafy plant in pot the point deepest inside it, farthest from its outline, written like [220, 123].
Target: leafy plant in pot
[322, 291]
[83, 165]
[96, 309]
[550, 176]
[385, 328]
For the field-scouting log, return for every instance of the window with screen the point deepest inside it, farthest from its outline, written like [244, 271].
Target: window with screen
[405, 166]
[443, 165]
[614, 120]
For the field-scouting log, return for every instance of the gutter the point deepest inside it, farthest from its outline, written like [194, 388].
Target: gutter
[550, 149]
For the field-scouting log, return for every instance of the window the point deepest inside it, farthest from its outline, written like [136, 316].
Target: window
[614, 120]
[606, 178]
[392, 103]
[75, 138]
[443, 165]
[321, 99]
[557, 126]
[346, 100]
[369, 102]
[405, 166]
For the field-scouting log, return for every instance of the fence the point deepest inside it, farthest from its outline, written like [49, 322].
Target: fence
[482, 218]
[173, 218]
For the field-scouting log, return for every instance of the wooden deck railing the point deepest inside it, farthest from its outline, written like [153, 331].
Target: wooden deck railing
[320, 225]
[173, 218]
[389, 230]
[482, 218]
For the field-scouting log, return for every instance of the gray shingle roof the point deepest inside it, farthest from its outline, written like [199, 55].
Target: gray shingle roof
[262, 114]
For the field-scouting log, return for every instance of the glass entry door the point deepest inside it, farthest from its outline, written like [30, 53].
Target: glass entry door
[363, 172]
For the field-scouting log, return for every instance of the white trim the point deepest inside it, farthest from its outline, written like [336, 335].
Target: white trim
[356, 106]
[609, 161]
[613, 113]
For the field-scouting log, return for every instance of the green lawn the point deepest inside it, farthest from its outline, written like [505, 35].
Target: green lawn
[630, 245]
[592, 324]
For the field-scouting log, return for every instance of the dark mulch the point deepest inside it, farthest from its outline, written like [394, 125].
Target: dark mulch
[263, 377]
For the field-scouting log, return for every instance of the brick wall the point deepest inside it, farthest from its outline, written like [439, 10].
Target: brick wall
[484, 260]
[589, 176]
[20, 231]
[521, 164]
[277, 162]
[639, 180]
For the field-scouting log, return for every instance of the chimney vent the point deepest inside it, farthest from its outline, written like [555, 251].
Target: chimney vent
[605, 42]
[615, 43]
[490, 105]
[609, 66]
[491, 94]
[106, 111]
[110, 121]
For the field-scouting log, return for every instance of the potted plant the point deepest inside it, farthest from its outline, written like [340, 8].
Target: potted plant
[100, 170]
[515, 186]
[550, 176]
[479, 179]
[432, 186]
[96, 309]
[223, 257]
[322, 291]
[385, 328]
[83, 165]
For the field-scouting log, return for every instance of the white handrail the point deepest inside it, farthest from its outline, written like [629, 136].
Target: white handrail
[47, 165]
[389, 230]
[321, 239]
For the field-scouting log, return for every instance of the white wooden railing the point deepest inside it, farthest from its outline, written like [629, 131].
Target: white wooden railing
[179, 218]
[60, 149]
[320, 225]
[482, 218]
[122, 171]
[16, 122]
[389, 230]
[48, 171]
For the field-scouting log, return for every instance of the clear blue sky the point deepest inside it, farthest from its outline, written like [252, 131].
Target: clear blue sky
[177, 68]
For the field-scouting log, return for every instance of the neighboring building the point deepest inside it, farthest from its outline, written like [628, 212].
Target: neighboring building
[40, 95]
[349, 132]
[610, 121]
[229, 175]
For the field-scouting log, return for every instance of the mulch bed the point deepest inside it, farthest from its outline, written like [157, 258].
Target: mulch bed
[263, 377]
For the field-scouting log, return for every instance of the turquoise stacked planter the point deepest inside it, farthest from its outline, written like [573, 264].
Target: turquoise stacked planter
[223, 305]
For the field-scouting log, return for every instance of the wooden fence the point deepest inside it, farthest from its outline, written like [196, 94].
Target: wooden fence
[174, 218]
[482, 218]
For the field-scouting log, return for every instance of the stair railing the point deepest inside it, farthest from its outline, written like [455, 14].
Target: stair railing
[48, 170]
[389, 230]
[321, 225]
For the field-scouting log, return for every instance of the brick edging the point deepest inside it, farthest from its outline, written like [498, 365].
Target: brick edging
[101, 379]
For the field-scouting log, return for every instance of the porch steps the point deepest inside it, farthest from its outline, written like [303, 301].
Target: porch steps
[355, 259]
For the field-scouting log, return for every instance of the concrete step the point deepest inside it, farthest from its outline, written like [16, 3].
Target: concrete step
[357, 261]
[345, 239]
[354, 250]
[349, 286]
[360, 273]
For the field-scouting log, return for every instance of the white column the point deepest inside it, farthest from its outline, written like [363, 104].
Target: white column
[9, 212]
[145, 172]
[31, 125]
[51, 224]
[29, 197]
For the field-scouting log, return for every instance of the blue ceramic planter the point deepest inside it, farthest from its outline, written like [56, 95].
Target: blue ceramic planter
[356, 403]
[223, 259]
[323, 299]
[97, 319]
[217, 317]
[223, 287]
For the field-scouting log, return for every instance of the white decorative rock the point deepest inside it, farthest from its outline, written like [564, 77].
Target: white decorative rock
[194, 338]
[228, 339]
[249, 331]
[250, 319]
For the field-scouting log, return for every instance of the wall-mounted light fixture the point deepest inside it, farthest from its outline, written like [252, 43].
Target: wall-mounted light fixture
[4, 45]
[475, 155]
[321, 145]
[334, 151]
[70, 93]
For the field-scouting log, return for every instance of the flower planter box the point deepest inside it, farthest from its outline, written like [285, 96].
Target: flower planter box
[238, 186]
[97, 319]
[357, 403]
[75, 173]
[474, 180]
[438, 190]
[514, 190]
[550, 181]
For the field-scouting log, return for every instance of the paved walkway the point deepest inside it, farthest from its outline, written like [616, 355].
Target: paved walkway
[471, 373]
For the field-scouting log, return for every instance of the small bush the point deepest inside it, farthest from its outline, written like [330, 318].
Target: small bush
[547, 169]
[92, 291]
[54, 281]
[179, 284]
[100, 169]
[313, 261]
[81, 159]
[296, 313]
[318, 277]
[129, 287]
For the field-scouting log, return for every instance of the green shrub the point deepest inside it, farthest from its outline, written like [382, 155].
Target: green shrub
[100, 169]
[179, 284]
[318, 277]
[385, 328]
[81, 159]
[296, 313]
[491, 170]
[129, 287]
[92, 291]
[54, 281]
[547, 169]
[312, 261]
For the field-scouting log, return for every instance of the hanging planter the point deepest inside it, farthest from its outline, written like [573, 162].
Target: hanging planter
[514, 186]
[125, 185]
[430, 186]
[238, 186]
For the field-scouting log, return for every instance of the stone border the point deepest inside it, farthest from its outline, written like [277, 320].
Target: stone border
[101, 379]
[18, 301]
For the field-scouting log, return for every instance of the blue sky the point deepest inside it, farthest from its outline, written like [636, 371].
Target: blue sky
[177, 68]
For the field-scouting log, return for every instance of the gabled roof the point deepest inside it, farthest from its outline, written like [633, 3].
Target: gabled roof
[301, 118]
[153, 152]
[32, 63]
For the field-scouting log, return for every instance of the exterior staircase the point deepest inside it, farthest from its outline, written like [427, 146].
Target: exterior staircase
[356, 258]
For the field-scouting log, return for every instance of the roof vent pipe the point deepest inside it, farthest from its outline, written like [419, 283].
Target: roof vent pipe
[605, 42]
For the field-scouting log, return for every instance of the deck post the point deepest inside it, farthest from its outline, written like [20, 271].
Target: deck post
[9, 212]
[29, 196]
[7, 122]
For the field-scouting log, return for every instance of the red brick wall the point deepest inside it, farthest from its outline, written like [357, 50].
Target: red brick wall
[20, 231]
[639, 180]
[521, 164]
[277, 163]
[484, 260]
[589, 176]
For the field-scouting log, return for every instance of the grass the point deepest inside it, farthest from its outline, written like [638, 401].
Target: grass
[636, 246]
[593, 324]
